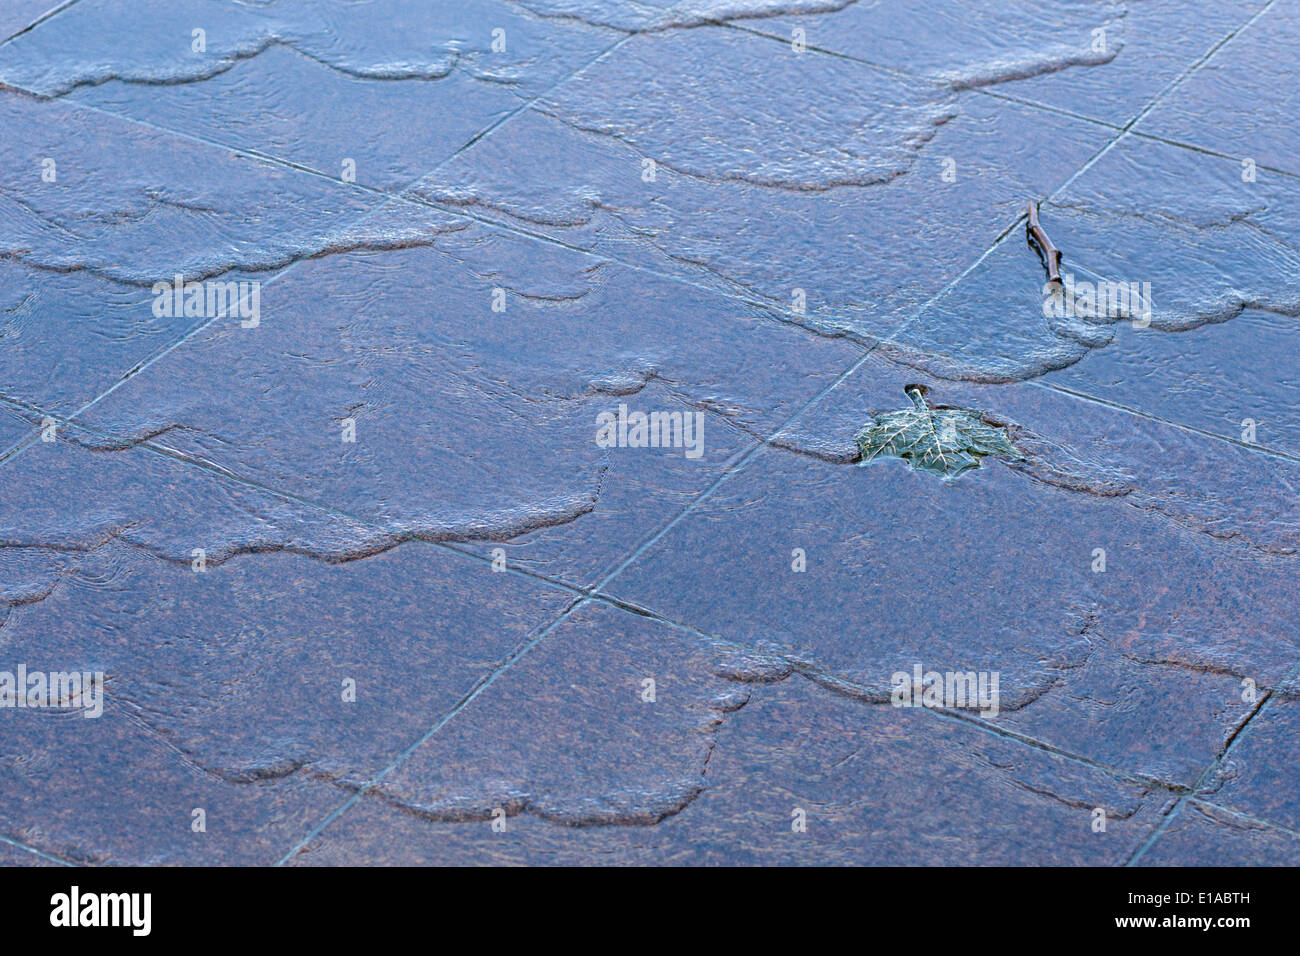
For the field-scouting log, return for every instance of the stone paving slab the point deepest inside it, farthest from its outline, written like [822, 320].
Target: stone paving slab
[1206, 836]
[875, 784]
[631, 713]
[663, 232]
[1052, 55]
[1232, 379]
[248, 667]
[92, 224]
[1220, 255]
[232, 682]
[18, 856]
[873, 218]
[1201, 255]
[995, 571]
[308, 85]
[70, 340]
[64, 501]
[72, 789]
[153, 42]
[114, 211]
[475, 425]
[18, 15]
[14, 428]
[81, 313]
[1255, 778]
[1242, 103]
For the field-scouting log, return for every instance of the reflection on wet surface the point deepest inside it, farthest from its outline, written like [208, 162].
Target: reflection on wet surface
[309, 313]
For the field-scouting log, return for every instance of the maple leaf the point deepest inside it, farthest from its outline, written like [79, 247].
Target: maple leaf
[942, 441]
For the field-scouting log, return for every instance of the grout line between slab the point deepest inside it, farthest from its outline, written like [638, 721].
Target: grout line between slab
[594, 592]
[19, 845]
[1246, 817]
[158, 354]
[39, 20]
[1260, 707]
[582, 596]
[1031, 103]
[405, 196]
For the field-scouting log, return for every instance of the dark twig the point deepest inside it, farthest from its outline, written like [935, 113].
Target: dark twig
[1047, 252]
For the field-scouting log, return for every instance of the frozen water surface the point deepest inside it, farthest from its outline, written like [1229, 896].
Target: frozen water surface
[361, 573]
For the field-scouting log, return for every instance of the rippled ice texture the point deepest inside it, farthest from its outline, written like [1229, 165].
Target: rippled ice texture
[478, 226]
